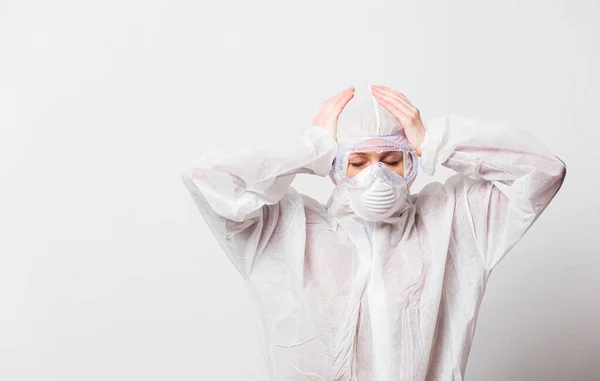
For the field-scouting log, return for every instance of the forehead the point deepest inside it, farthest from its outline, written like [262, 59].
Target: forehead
[374, 154]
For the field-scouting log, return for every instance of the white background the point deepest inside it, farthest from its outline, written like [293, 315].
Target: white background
[108, 272]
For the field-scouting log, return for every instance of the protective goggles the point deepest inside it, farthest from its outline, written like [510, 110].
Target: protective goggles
[360, 161]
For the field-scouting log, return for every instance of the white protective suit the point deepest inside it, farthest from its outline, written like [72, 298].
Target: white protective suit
[342, 299]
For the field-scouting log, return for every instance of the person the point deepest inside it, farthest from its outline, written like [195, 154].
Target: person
[378, 283]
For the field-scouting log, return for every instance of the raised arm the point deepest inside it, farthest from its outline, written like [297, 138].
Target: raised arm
[506, 178]
[240, 194]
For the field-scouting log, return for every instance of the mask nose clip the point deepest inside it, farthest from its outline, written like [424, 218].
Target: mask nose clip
[378, 165]
[378, 172]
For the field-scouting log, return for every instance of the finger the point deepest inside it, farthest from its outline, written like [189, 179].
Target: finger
[396, 95]
[337, 109]
[399, 105]
[343, 99]
[385, 88]
[405, 99]
[411, 111]
[338, 95]
[330, 104]
[400, 115]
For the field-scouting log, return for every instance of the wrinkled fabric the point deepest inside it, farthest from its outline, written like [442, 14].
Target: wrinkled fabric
[342, 299]
[364, 116]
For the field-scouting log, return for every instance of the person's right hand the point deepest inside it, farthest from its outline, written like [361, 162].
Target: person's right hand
[330, 111]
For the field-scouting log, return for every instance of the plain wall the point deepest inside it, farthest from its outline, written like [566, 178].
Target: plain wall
[107, 270]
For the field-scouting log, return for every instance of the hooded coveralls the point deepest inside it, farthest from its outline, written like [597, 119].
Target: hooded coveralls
[339, 298]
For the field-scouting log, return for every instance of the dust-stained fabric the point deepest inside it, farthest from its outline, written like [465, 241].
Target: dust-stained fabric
[339, 298]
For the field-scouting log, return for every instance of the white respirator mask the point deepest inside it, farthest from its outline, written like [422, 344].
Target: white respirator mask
[381, 198]
[376, 190]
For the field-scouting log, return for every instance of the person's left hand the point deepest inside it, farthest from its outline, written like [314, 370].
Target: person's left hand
[407, 114]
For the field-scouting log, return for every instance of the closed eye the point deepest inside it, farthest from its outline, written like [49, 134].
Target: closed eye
[394, 163]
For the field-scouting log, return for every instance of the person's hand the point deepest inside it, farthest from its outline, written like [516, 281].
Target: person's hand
[327, 117]
[407, 114]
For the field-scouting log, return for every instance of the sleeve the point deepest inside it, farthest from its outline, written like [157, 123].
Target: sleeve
[239, 194]
[506, 178]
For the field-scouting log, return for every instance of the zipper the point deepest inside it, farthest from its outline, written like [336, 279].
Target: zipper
[378, 308]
